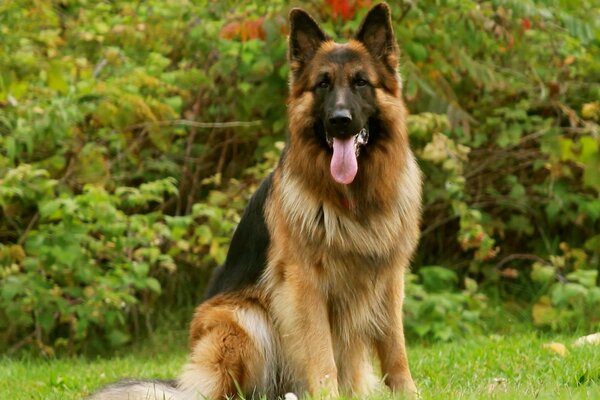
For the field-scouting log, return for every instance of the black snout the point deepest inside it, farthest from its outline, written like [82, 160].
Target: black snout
[340, 119]
[343, 111]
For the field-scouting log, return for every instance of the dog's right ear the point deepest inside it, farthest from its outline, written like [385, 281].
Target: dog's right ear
[306, 36]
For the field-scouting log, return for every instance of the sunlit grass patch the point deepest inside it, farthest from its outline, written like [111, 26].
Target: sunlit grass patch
[503, 367]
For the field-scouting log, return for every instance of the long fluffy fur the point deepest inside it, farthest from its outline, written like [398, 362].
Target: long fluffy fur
[301, 305]
[133, 389]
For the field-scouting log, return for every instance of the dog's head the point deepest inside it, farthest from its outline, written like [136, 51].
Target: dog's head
[341, 86]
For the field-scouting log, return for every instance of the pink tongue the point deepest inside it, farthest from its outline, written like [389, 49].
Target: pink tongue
[343, 162]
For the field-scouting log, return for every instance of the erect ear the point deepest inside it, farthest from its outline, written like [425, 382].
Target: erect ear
[305, 39]
[377, 34]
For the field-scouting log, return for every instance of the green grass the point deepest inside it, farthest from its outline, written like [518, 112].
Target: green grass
[511, 367]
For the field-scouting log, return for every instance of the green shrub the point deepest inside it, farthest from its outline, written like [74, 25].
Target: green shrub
[568, 293]
[435, 309]
[130, 135]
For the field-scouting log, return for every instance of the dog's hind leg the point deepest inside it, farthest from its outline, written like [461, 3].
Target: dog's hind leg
[233, 350]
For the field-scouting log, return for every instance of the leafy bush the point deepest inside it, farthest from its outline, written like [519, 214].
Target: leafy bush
[436, 309]
[130, 135]
[569, 295]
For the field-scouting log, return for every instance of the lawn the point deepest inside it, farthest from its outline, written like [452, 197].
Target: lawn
[516, 366]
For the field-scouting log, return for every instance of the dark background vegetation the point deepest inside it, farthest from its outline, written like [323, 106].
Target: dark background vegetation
[133, 132]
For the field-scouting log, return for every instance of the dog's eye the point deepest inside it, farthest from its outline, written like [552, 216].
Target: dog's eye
[324, 84]
[360, 82]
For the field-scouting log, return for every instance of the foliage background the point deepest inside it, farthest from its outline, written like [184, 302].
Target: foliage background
[132, 134]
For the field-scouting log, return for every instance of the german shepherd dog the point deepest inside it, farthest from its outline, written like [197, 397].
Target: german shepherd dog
[314, 279]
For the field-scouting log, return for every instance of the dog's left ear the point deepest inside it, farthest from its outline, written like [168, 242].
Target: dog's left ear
[377, 34]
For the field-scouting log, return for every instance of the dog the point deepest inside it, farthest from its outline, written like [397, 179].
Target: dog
[313, 282]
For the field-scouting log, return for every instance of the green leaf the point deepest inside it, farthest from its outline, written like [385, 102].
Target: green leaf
[521, 224]
[11, 147]
[553, 209]
[153, 285]
[118, 338]
[542, 273]
[56, 79]
[437, 278]
[591, 208]
[46, 320]
[564, 294]
[593, 244]
[416, 51]
[586, 277]
[543, 314]
[510, 136]
[51, 210]
[141, 269]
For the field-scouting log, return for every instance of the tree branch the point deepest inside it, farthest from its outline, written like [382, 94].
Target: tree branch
[196, 124]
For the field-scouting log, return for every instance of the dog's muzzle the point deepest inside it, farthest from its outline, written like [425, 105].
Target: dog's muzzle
[360, 139]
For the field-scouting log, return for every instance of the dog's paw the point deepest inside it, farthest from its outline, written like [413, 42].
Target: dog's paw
[405, 387]
[410, 391]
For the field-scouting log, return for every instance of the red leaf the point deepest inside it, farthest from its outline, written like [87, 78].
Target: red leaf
[244, 31]
[342, 8]
[230, 31]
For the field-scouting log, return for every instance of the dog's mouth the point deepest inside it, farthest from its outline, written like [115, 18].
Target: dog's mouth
[344, 163]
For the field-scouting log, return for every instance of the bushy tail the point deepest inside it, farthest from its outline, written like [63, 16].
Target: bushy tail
[133, 389]
[234, 351]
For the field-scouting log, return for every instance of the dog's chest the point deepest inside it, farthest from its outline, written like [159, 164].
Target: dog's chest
[322, 226]
[356, 297]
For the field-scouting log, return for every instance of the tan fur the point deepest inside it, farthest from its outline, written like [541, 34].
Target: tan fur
[333, 288]
[233, 348]
[332, 291]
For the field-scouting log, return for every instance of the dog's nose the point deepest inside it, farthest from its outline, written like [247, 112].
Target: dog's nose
[340, 118]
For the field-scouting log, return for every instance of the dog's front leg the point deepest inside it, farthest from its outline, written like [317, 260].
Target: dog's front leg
[300, 310]
[391, 346]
